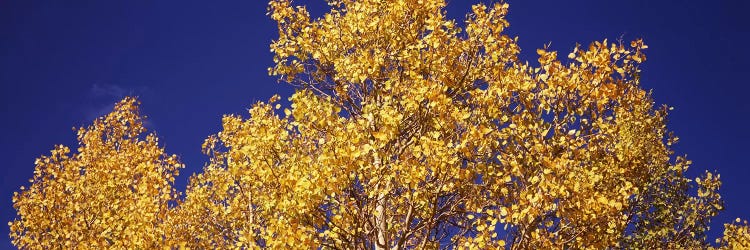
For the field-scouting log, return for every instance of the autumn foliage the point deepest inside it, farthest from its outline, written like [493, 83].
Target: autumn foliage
[114, 191]
[435, 136]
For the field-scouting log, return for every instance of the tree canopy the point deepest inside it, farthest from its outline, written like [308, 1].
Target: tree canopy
[407, 130]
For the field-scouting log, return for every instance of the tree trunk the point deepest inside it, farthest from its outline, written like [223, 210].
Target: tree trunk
[380, 217]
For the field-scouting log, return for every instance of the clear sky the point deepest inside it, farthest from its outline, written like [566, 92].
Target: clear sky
[63, 63]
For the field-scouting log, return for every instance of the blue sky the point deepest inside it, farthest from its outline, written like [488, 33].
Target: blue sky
[63, 63]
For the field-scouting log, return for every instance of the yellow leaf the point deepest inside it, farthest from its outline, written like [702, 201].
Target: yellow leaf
[380, 136]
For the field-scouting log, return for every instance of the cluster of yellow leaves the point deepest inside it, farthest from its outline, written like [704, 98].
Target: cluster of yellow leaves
[736, 236]
[113, 192]
[554, 154]
[408, 131]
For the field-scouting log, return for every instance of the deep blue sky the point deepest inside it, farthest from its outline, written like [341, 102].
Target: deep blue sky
[63, 63]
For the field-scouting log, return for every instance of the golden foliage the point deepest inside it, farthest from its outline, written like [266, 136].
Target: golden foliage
[736, 236]
[408, 131]
[113, 192]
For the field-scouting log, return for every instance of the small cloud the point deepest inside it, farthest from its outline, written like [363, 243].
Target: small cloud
[102, 99]
[108, 91]
[101, 92]
[93, 112]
